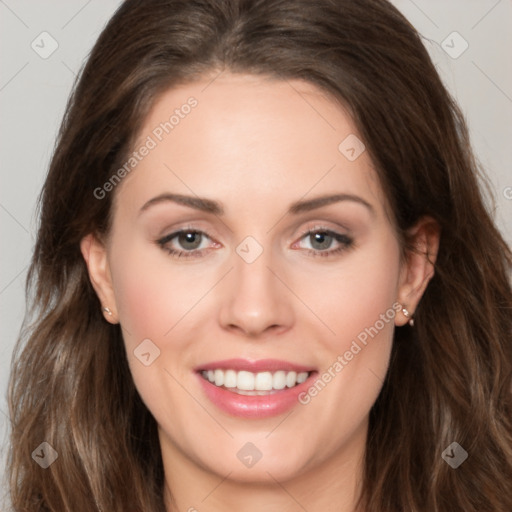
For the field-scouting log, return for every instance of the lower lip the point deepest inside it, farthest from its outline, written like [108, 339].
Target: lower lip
[258, 406]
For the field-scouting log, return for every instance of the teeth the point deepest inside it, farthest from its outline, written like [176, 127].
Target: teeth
[279, 379]
[291, 379]
[230, 379]
[245, 381]
[219, 377]
[301, 377]
[248, 383]
[263, 381]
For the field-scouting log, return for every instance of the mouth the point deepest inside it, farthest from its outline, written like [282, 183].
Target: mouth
[254, 384]
[254, 389]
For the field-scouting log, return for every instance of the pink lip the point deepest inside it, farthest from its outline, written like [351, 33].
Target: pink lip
[263, 365]
[258, 406]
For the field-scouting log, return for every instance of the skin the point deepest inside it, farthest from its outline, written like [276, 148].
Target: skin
[257, 146]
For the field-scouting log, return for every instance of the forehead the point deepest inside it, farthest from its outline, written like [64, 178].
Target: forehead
[248, 138]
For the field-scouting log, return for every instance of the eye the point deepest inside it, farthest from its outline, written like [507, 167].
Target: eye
[184, 243]
[190, 242]
[321, 240]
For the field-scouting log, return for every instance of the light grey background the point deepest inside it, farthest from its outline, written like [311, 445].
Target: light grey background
[34, 90]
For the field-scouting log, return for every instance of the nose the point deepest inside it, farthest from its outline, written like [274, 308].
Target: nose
[254, 301]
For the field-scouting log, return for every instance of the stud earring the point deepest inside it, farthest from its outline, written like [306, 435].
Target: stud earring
[107, 310]
[408, 315]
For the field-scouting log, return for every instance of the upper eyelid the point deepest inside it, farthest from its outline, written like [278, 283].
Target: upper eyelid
[195, 225]
[321, 227]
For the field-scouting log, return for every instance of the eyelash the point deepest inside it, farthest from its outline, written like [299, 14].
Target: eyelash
[345, 243]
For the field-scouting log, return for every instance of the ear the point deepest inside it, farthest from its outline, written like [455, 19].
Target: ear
[95, 256]
[418, 268]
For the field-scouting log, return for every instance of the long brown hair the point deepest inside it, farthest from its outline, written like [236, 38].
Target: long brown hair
[450, 376]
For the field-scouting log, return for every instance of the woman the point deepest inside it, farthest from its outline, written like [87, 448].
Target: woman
[189, 350]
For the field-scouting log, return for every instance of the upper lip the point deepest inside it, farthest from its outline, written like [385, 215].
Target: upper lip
[262, 365]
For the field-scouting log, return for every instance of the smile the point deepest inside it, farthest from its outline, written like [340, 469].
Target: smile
[254, 389]
[248, 383]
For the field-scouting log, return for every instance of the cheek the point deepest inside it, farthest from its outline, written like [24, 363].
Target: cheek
[150, 293]
[358, 305]
[144, 310]
[373, 293]
[351, 297]
[151, 298]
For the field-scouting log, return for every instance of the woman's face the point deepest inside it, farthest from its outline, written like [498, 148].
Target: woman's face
[287, 268]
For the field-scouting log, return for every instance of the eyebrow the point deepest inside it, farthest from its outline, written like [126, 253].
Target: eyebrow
[214, 207]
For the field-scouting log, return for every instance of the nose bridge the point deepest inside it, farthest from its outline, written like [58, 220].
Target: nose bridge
[255, 299]
[251, 272]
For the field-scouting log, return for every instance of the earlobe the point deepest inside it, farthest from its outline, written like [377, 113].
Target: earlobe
[94, 253]
[418, 269]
